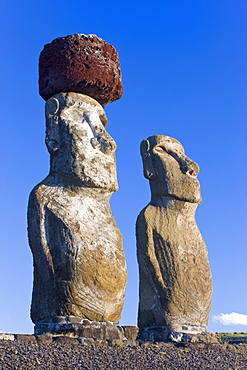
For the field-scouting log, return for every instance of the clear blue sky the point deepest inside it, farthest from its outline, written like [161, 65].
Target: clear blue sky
[184, 75]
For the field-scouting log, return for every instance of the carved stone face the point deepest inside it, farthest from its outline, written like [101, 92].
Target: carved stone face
[77, 140]
[170, 171]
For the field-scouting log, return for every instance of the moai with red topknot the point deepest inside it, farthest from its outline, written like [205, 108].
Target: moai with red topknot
[79, 263]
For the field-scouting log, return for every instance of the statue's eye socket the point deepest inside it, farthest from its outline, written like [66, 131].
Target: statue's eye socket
[103, 119]
[173, 154]
[160, 149]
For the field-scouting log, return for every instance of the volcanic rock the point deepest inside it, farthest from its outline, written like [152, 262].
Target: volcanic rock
[80, 63]
[175, 279]
[79, 263]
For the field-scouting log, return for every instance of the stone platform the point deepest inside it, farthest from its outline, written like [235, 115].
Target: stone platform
[165, 334]
[76, 327]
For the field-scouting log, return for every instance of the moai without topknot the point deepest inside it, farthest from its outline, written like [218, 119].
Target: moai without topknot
[175, 279]
[79, 263]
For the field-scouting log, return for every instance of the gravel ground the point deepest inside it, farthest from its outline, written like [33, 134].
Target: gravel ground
[30, 355]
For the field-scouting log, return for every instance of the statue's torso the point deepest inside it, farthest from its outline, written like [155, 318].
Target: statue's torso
[82, 246]
[175, 278]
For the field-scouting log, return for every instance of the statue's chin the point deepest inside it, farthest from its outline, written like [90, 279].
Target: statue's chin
[186, 189]
[190, 198]
[193, 197]
[107, 184]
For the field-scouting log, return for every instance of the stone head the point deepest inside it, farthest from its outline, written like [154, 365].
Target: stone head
[170, 172]
[77, 141]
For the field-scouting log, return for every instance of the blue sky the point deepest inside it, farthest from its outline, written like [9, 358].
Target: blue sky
[184, 75]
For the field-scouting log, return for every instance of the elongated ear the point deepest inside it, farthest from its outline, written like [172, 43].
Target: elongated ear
[51, 106]
[52, 146]
[148, 168]
[52, 132]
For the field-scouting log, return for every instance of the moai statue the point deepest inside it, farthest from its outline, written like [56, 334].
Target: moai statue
[79, 263]
[175, 280]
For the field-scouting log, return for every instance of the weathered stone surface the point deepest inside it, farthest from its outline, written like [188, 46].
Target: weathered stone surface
[206, 338]
[4, 336]
[158, 334]
[44, 338]
[130, 332]
[175, 279]
[65, 340]
[58, 319]
[79, 263]
[87, 341]
[80, 63]
[96, 330]
[74, 319]
[25, 337]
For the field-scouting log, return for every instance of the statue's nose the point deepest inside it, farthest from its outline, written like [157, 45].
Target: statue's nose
[104, 142]
[101, 139]
[189, 167]
[108, 145]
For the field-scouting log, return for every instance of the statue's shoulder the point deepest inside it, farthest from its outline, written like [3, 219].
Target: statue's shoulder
[41, 190]
[146, 213]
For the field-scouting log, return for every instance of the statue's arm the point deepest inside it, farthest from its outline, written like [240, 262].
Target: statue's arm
[37, 234]
[147, 247]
